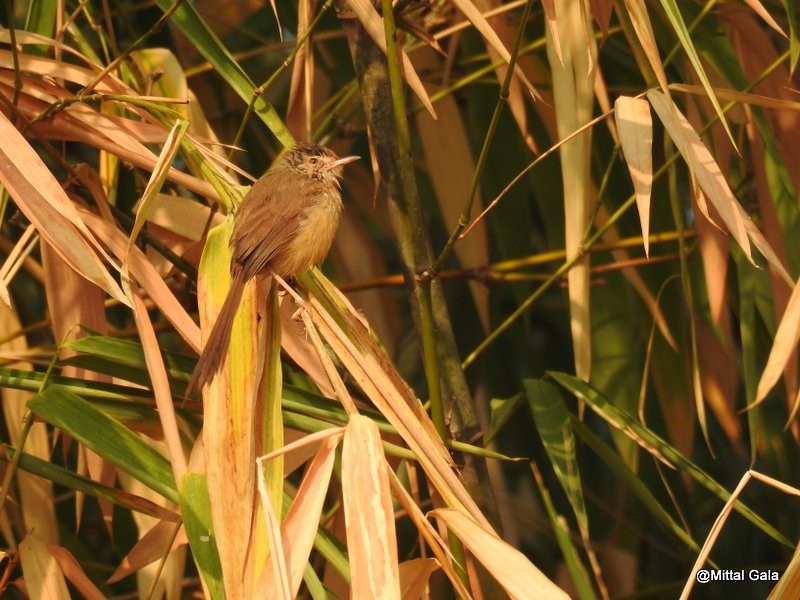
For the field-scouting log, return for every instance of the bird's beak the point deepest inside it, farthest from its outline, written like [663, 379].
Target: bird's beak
[339, 162]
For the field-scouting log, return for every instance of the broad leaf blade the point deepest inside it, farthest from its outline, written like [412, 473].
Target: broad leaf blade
[552, 420]
[105, 436]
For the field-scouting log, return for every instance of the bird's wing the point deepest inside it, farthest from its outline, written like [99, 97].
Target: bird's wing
[263, 226]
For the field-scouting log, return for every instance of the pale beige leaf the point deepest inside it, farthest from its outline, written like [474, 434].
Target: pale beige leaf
[145, 204]
[635, 127]
[302, 520]
[373, 25]
[713, 183]
[573, 90]
[762, 12]
[371, 537]
[181, 215]
[640, 19]
[518, 576]
[43, 201]
[23, 247]
[783, 346]
[43, 578]
[549, 7]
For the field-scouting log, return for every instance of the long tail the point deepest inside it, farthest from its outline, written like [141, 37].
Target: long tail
[217, 344]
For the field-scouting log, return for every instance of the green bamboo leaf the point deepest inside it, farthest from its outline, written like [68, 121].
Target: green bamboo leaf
[616, 357]
[659, 448]
[190, 23]
[31, 381]
[637, 486]
[501, 411]
[41, 19]
[196, 511]
[552, 421]
[748, 281]
[572, 559]
[79, 483]
[316, 589]
[123, 358]
[105, 436]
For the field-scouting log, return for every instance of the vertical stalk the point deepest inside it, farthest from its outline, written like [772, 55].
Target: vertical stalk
[409, 193]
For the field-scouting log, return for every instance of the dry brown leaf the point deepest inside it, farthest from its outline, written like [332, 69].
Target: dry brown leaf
[152, 546]
[738, 96]
[713, 245]
[299, 105]
[601, 12]
[515, 99]
[73, 571]
[114, 134]
[518, 576]
[429, 534]
[719, 376]
[297, 345]
[374, 373]
[143, 272]
[634, 277]
[159, 380]
[414, 577]
[43, 201]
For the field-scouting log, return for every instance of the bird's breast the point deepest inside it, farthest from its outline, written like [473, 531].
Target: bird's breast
[314, 235]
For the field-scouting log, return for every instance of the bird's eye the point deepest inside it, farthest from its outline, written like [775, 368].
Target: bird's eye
[314, 160]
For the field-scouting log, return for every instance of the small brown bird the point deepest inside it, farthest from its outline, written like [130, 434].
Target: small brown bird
[284, 225]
